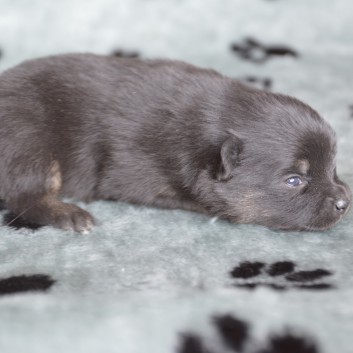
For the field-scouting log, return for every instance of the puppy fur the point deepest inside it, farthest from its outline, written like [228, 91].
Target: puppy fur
[161, 133]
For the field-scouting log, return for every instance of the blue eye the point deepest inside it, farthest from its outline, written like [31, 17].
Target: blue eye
[294, 181]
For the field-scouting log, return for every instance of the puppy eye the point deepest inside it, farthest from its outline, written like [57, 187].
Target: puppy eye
[294, 181]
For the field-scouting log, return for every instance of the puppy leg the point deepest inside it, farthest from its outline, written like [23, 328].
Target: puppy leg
[41, 204]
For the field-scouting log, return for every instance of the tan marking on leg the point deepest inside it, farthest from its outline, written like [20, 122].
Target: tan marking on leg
[54, 179]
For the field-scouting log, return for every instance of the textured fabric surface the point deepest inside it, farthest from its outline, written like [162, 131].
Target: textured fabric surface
[160, 281]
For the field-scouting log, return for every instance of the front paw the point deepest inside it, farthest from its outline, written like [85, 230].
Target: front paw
[72, 218]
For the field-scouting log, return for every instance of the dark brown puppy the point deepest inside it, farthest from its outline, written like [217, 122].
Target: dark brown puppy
[161, 133]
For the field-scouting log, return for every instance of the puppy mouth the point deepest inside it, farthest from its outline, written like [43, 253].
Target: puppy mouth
[316, 228]
[312, 227]
[320, 228]
[327, 221]
[307, 228]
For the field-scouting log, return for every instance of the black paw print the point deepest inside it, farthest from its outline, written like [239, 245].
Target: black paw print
[252, 50]
[125, 54]
[18, 284]
[259, 82]
[234, 334]
[279, 275]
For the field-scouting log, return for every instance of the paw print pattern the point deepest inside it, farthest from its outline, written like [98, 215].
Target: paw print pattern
[289, 343]
[234, 334]
[18, 284]
[252, 50]
[279, 275]
[125, 54]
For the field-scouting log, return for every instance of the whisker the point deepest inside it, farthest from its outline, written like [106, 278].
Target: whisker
[18, 216]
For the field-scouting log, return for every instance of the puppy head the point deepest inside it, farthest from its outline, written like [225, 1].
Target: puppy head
[277, 167]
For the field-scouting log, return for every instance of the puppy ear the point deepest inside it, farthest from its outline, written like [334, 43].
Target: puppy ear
[229, 157]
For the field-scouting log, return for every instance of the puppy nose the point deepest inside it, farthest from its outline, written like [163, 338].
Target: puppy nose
[341, 205]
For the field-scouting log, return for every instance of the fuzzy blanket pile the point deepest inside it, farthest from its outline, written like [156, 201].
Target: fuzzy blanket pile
[161, 281]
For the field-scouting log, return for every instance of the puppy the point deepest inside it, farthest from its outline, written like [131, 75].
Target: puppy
[165, 134]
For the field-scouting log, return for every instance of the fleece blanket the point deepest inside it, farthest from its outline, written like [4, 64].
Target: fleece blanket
[161, 281]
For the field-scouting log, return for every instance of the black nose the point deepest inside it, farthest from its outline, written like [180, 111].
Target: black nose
[341, 205]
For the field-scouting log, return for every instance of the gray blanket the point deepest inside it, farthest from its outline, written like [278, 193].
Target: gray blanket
[161, 281]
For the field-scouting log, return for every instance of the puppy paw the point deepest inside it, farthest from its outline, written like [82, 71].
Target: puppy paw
[73, 218]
